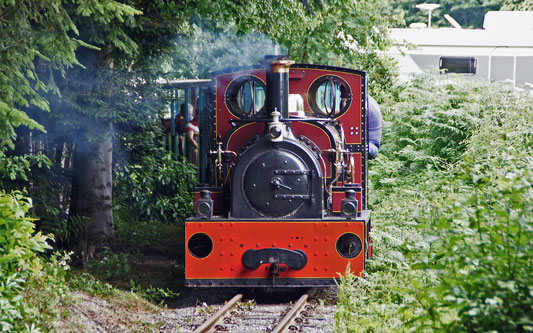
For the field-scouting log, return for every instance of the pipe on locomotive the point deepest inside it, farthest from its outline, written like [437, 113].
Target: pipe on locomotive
[277, 94]
[277, 85]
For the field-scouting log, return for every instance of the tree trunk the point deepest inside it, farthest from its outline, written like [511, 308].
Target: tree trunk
[92, 192]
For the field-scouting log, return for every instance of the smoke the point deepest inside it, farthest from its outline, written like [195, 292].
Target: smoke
[204, 51]
[93, 96]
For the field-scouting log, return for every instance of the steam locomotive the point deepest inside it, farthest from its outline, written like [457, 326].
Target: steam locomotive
[283, 155]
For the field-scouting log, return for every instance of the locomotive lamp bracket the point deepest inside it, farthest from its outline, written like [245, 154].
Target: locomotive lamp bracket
[276, 130]
[204, 205]
[349, 205]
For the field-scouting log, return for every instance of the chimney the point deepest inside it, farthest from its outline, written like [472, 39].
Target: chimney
[277, 82]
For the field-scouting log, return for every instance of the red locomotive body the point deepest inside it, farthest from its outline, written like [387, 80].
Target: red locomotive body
[285, 199]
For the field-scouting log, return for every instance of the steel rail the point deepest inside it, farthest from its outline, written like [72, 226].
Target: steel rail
[291, 314]
[211, 321]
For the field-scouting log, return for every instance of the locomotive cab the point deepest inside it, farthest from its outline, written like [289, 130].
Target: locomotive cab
[285, 205]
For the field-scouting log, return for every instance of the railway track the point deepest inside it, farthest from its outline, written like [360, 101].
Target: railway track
[237, 316]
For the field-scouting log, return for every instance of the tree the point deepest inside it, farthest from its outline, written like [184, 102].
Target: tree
[44, 42]
[517, 5]
[46, 34]
[115, 86]
[338, 33]
[469, 14]
[29, 30]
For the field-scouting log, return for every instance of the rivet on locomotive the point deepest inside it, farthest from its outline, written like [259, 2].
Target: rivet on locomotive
[285, 203]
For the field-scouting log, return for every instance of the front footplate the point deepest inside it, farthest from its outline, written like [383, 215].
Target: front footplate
[225, 252]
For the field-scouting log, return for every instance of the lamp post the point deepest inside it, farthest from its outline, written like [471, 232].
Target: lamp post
[430, 7]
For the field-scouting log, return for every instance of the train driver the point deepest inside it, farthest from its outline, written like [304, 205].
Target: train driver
[374, 127]
[374, 122]
[182, 119]
[191, 134]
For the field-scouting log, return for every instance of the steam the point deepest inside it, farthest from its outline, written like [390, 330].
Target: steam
[205, 51]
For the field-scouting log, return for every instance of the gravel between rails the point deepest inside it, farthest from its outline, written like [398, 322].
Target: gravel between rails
[261, 312]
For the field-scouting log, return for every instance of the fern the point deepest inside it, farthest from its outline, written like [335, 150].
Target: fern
[66, 230]
[452, 205]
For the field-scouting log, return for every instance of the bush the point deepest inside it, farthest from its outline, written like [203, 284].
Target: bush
[451, 193]
[485, 235]
[485, 269]
[33, 291]
[47, 292]
[158, 188]
[22, 272]
[156, 296]
[113, 265]
[87, 283]
[18, 258]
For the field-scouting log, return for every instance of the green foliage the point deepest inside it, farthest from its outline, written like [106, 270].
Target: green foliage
[18, 243]
[113, 265]
[47, 294]
[517, 5]
[31, 289]
[41, 46]
[487, 279]
[26, 34]
[48, 186]
[87, 283]
[65, 230]
[487, 284]
[113, 89]
[156, 296]
[347, 304]
[431, 127]
[158, 189]
[469, 14]
[132, 232]
[452, 221]
[31, 31]
[18, 167]
[338, 33]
